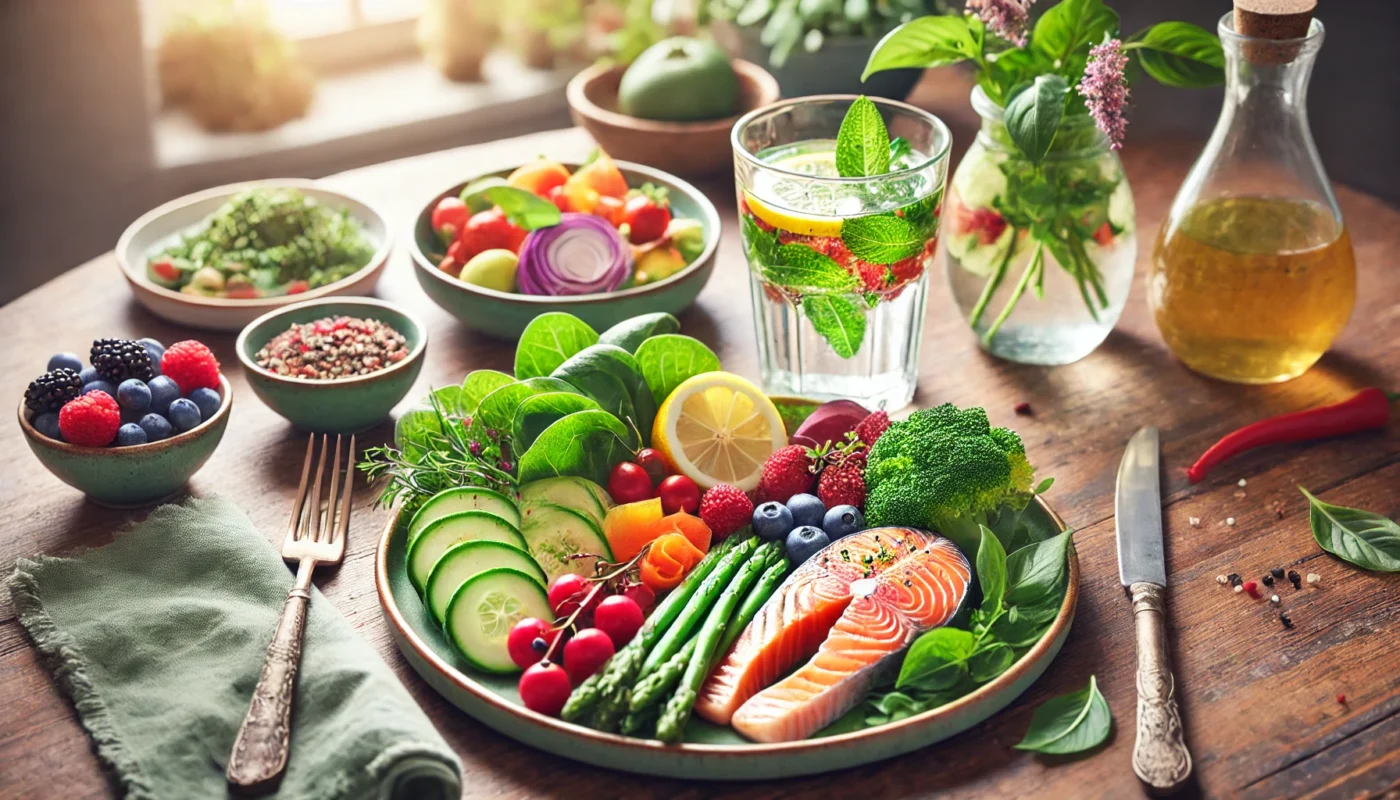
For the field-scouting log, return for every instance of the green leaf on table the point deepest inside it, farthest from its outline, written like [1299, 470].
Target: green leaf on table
[937, 659]
[797, 266]
[1072, 26]
[760, 246]
[474, 194]
[538, 412]
[928, 41]
[585, 444]
[862, 143]
[837, 320]
[882, 238]
[612, 377]
[1034, 573]
[497, 409]
[669, 360]
[477, 385]
[630, 333]
[1180, 54]
[1033, 116]
[991, 571]
[550, 340]
[1361, 538]
[1070, 723]
[525, 210]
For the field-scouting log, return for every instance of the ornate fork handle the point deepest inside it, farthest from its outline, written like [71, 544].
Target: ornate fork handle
[264, 739]
[1160, 757]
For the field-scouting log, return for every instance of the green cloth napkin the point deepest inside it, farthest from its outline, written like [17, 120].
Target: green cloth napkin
[159, 637]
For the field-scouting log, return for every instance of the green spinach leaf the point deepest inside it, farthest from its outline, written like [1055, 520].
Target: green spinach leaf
[538, 412]
[585, 444]
[477, 385]
[668, 360]
[862, 143]
[1361, 538]
[930, 41]
[550, 340]
[1070, 723]
[497, 410]
[612, 377]
[1033, 115]
[837, 320]
[881, 238]
[630, 333]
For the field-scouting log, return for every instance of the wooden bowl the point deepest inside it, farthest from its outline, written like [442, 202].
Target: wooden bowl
[684, 148]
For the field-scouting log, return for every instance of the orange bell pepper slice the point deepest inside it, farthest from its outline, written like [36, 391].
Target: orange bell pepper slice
[668, 560]
[690, 526]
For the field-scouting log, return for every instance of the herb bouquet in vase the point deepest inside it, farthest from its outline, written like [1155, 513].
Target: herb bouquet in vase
[1040, 206]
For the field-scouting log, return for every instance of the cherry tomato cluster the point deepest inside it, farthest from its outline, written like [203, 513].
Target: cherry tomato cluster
[644, 477]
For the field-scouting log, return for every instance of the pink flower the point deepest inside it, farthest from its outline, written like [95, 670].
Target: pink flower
[1105, 90]
[1005, 18]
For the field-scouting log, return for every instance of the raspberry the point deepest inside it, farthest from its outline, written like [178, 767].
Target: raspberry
[91, 420]
[725, 509]
[872, 427]
[191, 365]
[842, 485]
[787, 472]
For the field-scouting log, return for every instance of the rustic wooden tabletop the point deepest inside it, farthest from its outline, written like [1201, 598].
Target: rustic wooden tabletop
[1260, 702]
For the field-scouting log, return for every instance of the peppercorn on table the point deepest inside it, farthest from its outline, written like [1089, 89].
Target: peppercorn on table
[1270, 711]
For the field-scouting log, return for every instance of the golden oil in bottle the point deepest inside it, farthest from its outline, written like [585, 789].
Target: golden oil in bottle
[1252, 289]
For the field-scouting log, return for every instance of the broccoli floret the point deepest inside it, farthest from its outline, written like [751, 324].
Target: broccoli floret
[946, 469]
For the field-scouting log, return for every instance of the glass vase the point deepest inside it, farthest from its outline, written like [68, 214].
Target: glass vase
[1039, 257]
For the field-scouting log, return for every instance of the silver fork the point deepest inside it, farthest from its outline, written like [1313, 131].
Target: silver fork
[315, 535]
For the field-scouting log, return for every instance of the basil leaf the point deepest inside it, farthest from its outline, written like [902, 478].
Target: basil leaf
[1071, 26]
[1362, 538]
[929, 41]
[1034, 572]
[1017, 630]
[474, 194]
[477, 385]
[1033, 115]
[524, 209]
[760, 246]
[800, 267]
[1180, 54]
[669, 360]
[550, 340]
[837, 320]
[937, 659]
[862, 143]
[1043, 486]
[630, 333]
[988, 663]
[585, 444]
[991, 571]
[881, 238]
[1070, 723]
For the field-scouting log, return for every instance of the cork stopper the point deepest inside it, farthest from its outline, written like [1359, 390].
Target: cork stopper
[1273, 21]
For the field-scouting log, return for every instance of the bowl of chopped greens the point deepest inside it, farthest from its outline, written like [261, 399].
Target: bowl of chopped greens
[220, 258]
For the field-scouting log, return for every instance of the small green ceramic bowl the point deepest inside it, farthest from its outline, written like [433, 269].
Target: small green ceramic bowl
[344, 405]
[135, 476]
[505, 314]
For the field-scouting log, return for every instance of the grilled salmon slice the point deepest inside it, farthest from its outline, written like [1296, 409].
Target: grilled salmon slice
[848, 609]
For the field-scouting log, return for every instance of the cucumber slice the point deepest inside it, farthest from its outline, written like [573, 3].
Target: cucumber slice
[464, 526]
[579, 494]
[484, 609]
[555, 533]
[463, 498]
[465, 561]
[604, 499]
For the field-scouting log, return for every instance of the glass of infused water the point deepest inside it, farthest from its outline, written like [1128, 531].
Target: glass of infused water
[838, 266]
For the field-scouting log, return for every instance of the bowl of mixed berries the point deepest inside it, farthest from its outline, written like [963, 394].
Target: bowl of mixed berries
[132, 424]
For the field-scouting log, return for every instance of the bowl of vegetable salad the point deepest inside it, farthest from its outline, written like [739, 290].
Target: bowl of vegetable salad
[220, 258]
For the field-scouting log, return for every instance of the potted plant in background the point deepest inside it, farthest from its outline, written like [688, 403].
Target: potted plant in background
[456, 35]
[817, 46]
[1040, 204]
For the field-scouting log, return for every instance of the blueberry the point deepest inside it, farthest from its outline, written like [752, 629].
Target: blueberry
[88, 375]
[806, 510]
[65, 361]
[164, 391]
[184, 415]
[156, 349]
[772, 520]
[208, 401]
[156, 427]
[47, 424]
[843, 521]
[805, 542]
[130, 434]
[134, 395]
[101, 386]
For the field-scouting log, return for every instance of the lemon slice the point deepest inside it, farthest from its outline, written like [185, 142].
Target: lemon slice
[793, 222]
[718, 428]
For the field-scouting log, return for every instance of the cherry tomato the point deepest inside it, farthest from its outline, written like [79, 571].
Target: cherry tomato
[557, 197]
[450, 265]
[545, 688]
[679, 493]
[450, 217]
[521, 643]
[642, 595]
[245, 292]
[568, 591]
[165, 269]
[651, 461]
[1104, 235]
[610, 209]
[620, 618]
[629, 483]
[539, 176]
[589, 650]
[646, 220]
[489, 230]
[297, 287]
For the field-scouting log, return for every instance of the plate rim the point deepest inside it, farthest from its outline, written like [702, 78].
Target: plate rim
[404, 633]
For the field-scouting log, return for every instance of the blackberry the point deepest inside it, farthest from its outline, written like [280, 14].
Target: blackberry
[50, 391]
[118, 359]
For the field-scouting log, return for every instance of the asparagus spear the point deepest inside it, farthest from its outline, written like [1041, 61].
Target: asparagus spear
[637, 722]
[671, 724]
[622, 668]
[649, 691]
[757, 596]
[674, 637]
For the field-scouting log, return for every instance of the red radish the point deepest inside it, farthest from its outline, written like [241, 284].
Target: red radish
[650, 460]
[584, 654]
[545, 687]
[629, 483]
[642, 595]
[521, 641]
[679, 493]
[620, 618]
[567, 593]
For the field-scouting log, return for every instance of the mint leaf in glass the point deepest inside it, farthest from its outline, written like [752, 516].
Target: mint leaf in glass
[882, 238]
[862, 143]
[837, 320]
[800, 267]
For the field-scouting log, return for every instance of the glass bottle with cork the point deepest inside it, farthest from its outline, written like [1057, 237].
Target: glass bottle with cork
[1253, 274]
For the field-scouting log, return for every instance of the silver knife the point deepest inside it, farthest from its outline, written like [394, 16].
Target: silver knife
[1160, 757]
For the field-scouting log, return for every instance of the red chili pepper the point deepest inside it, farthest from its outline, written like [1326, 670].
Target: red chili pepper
[1366, 410]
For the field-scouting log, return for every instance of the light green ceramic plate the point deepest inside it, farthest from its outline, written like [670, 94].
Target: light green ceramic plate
[709, 752]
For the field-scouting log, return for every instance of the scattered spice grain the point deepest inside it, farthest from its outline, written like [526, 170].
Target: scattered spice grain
[1285, 619]
[1194, 521]
[1230, 521]
[1295, 579]
[1313, 577]
[1023, 409]
[1277, 572]
[1274, 599]
[333, 348]
[1221, 579]
[1268, 580]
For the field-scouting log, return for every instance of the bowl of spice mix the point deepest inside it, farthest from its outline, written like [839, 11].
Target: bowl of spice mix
[334, 365]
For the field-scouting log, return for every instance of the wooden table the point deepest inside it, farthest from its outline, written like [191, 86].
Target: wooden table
[1259, 701]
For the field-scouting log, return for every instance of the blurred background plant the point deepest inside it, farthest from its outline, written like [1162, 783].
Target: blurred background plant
[456, 35]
